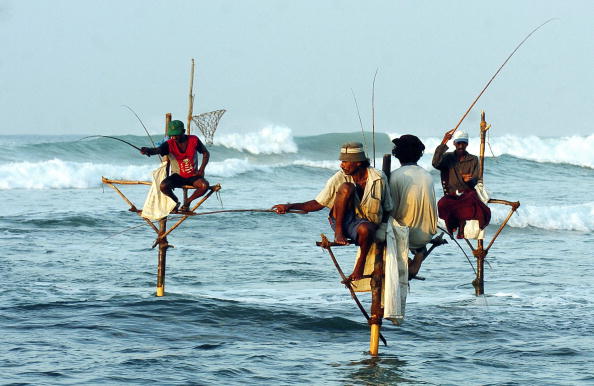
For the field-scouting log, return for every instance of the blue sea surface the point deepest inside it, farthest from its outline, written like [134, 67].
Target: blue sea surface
[251, 299]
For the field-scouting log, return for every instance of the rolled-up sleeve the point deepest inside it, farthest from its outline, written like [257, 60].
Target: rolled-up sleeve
[328, 194]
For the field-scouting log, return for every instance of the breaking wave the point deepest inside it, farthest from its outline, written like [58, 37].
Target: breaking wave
[60, 174]
[574, 150]
[269, 140]
[569, 217]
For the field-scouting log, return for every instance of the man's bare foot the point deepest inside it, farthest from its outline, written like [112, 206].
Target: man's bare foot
[340, 239]
[175, 208]
[355, 276]
[185, 208]
[414, 266]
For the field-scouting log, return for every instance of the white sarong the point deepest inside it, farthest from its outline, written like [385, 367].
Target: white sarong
[395, 283]
[157, 205]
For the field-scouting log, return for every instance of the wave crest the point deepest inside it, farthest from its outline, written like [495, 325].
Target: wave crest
[574, 150]
[569, 217]
[269, 140]
[60, 174]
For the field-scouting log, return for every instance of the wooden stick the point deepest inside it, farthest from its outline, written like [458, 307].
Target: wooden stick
[132, 207]
[213, 189]
[377, 278]
[511, 212]
[128, 182]
[326, 245]
[373, 114]
[191, 99]
[162, 258]
[167, 121]
[296, 211]
[494, 75]
[124, 182]
[479, 282]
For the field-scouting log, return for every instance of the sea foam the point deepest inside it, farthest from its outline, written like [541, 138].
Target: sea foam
[269, 140]
[553, 217]
[60, 174]
[574, 150]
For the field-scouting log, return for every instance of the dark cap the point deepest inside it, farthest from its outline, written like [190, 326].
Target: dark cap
[175, 128]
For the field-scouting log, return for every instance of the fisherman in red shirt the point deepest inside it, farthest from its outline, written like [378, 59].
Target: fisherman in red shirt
[183, 152]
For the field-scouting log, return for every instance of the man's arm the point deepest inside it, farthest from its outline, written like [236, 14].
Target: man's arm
[205, 157]
[163, 149]
[440, 150]
[308, 206]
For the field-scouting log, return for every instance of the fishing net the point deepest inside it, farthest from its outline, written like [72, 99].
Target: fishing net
[207, 123]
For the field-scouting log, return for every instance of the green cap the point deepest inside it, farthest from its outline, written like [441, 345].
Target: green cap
[175, 128]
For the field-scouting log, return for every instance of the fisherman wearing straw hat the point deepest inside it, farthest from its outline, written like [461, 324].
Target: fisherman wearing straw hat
[459, 175]
[359, 200]
[184, 150]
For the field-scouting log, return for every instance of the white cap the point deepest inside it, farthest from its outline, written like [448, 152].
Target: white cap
[460, 136]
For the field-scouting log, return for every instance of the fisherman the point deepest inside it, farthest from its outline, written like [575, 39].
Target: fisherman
[184, 150]
[359, 201]
[411, 187]
[459, 176]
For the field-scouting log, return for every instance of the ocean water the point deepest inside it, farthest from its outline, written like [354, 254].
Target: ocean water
[250, 299]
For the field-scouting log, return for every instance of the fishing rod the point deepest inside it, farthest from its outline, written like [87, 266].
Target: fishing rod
[497, 72]
[117, 139]
[360, 121]
[373, 113]
[296, 211]
[143, 126]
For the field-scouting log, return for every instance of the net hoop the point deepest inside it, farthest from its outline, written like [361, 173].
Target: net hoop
[207, 124]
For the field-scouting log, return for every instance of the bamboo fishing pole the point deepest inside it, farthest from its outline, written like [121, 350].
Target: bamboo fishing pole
[496, 73]
[373, 113]
[360, 122]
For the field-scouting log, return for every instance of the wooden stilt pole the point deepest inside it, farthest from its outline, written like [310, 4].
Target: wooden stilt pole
[163, 244]
[479, 282]
[377, 277]
[162, 260]
[480, 252]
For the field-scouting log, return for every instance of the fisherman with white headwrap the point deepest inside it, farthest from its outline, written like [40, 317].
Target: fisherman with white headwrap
[460, 173]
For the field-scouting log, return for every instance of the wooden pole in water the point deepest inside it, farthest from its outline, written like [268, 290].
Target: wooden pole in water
[480, 253]
[163, 244]
[377, 312]
[162, 259]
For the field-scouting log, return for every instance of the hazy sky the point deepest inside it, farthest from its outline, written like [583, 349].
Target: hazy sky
[68, 66]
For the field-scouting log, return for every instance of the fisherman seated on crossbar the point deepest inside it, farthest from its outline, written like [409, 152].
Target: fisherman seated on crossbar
[459, 175]
[359, 201]
[184, 150]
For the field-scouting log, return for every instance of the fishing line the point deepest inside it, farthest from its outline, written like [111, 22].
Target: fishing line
[144, 127]
[360, 121]
[373, 113]
[120, 232]
[459, 246]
